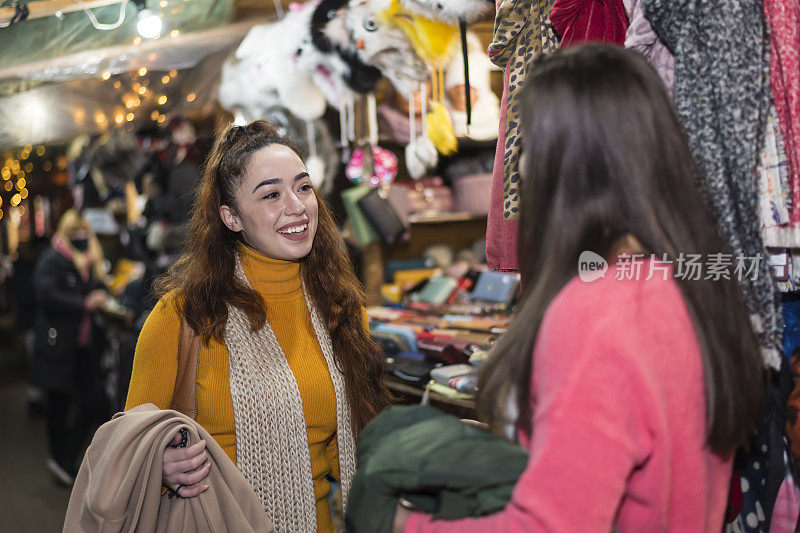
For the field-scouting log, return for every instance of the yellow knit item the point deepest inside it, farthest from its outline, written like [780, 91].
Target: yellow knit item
[279, 283]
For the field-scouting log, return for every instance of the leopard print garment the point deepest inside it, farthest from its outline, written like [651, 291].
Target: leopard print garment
[521, 33]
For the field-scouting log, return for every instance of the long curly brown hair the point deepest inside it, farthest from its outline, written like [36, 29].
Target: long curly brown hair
[204, 283]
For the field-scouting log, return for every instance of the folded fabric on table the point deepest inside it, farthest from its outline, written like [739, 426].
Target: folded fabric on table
[439, 464]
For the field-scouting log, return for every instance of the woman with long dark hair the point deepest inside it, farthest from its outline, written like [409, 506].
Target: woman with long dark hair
[288, 374]
[631, 391]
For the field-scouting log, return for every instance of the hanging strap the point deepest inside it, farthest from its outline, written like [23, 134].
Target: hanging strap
[462, 23]
[184, 397]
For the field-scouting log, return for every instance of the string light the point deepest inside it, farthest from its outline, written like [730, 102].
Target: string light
[163, 3]
[154, 115]
[16, 199]
[23, 155]
[174, 33]
[173, 73]
[129, 117]
[161, 119]
[118, 118]
[165, 79]
[162, 100]
[142, 71]
[48, 166]
[9, 186]
[29, 167]
[142, 90]
[21, 184]
[40, 151]
[190, 97]
[15, 166]
[23, 193]
[106, 75]
[117, 84]
[137, 41]
[5, 172]
[1, 214]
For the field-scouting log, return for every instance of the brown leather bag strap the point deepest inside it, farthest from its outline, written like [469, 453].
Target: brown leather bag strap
[184, 397]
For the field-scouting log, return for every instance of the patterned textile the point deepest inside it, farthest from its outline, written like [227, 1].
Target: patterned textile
[783, 17]
[521, 33]
[643, 39]
[774, 193]
[721, 91]
[271, 435]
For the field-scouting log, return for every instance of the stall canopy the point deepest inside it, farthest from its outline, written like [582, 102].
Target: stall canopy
[60, 76]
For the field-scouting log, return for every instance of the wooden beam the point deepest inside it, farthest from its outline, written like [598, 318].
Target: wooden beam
[47, 8]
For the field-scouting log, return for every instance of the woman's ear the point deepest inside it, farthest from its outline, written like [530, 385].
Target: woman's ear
[229, 218]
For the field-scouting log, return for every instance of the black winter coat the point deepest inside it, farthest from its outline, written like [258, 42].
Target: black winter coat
[59, 291]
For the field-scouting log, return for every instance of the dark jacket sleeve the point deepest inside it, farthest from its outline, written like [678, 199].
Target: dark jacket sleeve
[49, 295]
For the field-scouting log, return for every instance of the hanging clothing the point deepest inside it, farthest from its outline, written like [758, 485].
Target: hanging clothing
[584, 21]
[774, 190]
[721, 92]
[641, 37]
[783, 18]
[521, 33]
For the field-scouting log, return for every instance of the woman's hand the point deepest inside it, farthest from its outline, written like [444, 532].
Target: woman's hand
[474, 423]
[400, 516]
[185, 468]
[95, 299]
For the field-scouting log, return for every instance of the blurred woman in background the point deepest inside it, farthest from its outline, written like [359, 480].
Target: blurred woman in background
[68, 286]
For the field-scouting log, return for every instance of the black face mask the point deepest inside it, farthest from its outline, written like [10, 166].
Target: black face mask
[80, 244]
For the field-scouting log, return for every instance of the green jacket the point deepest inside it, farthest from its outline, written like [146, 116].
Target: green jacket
[439, 464]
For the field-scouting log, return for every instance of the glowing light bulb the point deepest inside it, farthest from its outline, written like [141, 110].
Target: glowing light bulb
[149, 25]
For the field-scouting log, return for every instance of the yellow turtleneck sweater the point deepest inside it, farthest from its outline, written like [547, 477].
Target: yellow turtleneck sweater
[156, 361]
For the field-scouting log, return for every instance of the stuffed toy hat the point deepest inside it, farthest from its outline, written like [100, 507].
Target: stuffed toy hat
[432, 26]
[381, 45]
[485, 119]
[450, 11]
[261, 74]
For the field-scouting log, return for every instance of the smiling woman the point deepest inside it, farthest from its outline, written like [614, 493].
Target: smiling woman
[276, 208]
[288, 373]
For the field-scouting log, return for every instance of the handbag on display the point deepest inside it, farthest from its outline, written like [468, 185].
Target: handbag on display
[443, 352]
[444, 374]
[382, 216]
[436, 291]
[363, 231]
[496, 287]
[409, 338]
[413, 369]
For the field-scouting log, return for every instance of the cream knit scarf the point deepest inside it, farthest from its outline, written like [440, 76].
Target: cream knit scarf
[271, 435]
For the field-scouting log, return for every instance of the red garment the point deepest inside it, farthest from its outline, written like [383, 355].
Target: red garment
[618, 421]
[501, 233]
[584, 21]
[783, 17]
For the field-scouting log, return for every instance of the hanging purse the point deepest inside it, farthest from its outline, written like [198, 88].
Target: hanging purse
[184, 397]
